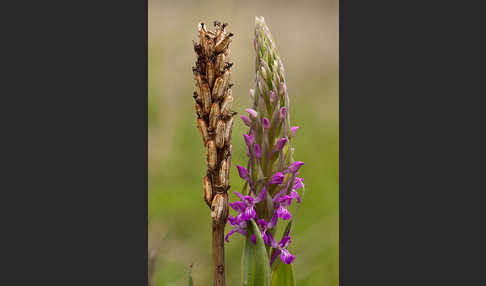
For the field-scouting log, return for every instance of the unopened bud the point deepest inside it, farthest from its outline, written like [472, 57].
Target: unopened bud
[211, 154]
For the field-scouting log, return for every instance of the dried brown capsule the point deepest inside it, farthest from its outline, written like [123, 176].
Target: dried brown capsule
[226, 79]
[219, 63]
[228, 129]
[198, 109]
[208, 46]
[206, 98]
[227, 52]
[203, 129]
[224, 173]
[210, 73]
[220, 132]
[223, 43]
[202, 34]
[211, 154]
[214, 115]
[208, 190]
[227, 103]
[218, 89]
[219, 208]
[198, 85]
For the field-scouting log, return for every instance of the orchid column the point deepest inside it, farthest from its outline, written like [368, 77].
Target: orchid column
[271, 174]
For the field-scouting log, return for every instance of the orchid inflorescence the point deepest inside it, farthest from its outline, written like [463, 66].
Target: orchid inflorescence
[271, 177]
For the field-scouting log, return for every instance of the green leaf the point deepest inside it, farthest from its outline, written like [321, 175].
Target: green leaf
[283, 275]
[255, 264]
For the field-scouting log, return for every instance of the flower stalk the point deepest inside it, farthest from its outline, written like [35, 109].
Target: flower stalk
[213, 99]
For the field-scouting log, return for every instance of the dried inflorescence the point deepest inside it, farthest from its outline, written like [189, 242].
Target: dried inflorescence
[215, 119]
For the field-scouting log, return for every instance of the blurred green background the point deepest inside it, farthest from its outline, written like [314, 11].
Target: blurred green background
[306, 34]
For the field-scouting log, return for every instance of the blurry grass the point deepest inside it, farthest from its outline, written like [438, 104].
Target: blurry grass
[179, 220]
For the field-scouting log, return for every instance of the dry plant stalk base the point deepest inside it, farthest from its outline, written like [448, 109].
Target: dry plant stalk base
[213, 99]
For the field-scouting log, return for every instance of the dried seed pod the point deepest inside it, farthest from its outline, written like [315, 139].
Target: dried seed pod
[214, 115]
[228, 152]
[220, 132]
[210, 73]
[219, 63]
[219, 209]
[224, 173]
[223, 43]
[208, 190]
[218, 89]
[199, 84]
[199, 110]
[208, 46]
[202, 34]
[206, 98]
[227, 52]
[227, 103]
[203, 129]
[226, 79]
[228, 129]
[211, 154]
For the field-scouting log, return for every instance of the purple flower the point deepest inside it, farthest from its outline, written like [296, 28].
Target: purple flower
[257, 150]
[281, 248]
[266, 123]
[283, 113]
[253, 113]
[272, 96]
[298, 183]
[246, 120]
[294, 167]
[246, 211]
[277, 178]
[293, 129]
[279, 145]
[262, 225]
[243, 172]
[239, 227]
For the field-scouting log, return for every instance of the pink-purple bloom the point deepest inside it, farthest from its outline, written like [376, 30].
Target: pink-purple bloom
[265, 123]
[279, 145]
[257, 151]
[243, 172]
[293, 129]
[277, 178]
[253, 114]
[246, 120]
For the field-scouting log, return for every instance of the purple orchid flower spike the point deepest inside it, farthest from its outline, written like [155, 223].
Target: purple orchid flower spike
[270, 152]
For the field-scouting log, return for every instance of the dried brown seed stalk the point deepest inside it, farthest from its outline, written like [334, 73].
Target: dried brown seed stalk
[214, 99]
